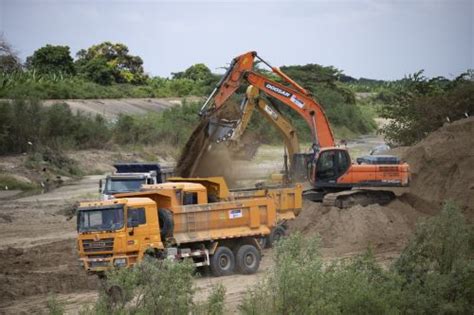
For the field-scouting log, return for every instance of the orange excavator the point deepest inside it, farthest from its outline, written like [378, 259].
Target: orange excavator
[328, 168]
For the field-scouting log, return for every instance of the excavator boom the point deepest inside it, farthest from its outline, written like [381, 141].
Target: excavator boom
[295, 96]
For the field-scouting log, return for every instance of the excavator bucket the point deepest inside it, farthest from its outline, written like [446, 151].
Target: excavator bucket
[220, 130]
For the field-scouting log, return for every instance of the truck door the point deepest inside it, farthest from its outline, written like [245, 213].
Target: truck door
[138, 235]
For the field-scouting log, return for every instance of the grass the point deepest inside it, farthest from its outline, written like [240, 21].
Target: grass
[9, 182]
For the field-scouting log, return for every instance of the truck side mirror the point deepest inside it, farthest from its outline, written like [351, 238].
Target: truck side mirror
[100, 186]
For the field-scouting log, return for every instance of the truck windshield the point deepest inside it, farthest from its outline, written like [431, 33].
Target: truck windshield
[104, 219]
[121, 185]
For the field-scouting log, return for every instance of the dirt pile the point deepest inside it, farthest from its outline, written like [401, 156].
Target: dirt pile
[442, 167]
[345, 231]
[51, 268]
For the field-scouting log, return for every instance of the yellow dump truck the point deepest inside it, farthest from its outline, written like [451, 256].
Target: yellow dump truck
[175, 220]
[288, 200]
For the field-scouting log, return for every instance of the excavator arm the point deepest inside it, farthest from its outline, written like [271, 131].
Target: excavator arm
[254, 102]
[294, 96]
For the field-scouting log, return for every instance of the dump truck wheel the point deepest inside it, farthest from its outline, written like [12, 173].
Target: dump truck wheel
[277, 234]
[248, 259]
[222, 262]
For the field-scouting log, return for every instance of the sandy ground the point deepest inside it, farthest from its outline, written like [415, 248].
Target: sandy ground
[38, 253]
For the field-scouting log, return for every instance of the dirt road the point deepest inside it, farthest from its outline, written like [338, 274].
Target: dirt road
[37, 247]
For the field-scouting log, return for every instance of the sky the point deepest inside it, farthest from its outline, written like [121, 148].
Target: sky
[364, 38]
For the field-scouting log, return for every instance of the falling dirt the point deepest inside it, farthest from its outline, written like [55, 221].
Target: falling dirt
[202, 156]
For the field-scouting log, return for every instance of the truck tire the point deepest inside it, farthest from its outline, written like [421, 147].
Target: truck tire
[222, 262]
[165, 218]
[277, 234]
[248, 259]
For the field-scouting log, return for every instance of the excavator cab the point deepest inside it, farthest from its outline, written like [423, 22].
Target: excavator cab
[331, 164]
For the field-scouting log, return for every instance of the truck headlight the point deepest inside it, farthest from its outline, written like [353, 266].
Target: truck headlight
[120, 262]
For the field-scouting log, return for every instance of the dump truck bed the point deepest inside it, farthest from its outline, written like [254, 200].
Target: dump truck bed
[288, 200]
[224, 220]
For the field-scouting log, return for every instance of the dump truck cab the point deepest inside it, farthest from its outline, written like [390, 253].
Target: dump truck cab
[116, 232]
[129, 177]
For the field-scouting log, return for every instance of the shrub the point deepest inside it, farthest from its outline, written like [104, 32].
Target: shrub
[301, 284]
[437, 266]
[418, 106]
[54, 306]
[27, 126]
[172, 126]
[433, 275]
[12, 183]
[150, 287]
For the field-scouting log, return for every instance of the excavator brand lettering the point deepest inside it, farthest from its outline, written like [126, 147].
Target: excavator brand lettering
[278, 90]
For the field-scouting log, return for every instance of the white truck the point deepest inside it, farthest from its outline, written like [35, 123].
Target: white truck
[129, 177]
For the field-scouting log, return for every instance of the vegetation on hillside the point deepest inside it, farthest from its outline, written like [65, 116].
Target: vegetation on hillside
[28, 126]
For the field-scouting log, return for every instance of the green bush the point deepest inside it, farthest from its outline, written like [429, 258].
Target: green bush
[52, 160]
[150, 287]
[12, 183]
[418, 105]
[54, 306]
[433, 275]
[301, 284]
[437, 266]
[172, 126]
[27, 126]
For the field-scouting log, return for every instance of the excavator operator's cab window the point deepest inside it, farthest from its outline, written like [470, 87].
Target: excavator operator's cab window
[325, 168]
[343, 162]
[190, 198]
[332, 164]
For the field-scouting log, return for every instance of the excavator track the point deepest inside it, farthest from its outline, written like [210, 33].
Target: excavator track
[364, 197]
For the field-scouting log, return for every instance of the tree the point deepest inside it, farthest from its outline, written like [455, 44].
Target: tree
[197, 72]
[9, 61]
[419, 105]
[51, 59]
[124, 67]
[99, 71]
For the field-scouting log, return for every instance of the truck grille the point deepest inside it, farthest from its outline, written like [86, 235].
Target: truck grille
[95, 264]
[102, 245]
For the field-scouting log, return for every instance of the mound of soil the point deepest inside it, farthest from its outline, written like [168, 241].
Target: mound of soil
[442, 167]
[51, 268]
[345, 231]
